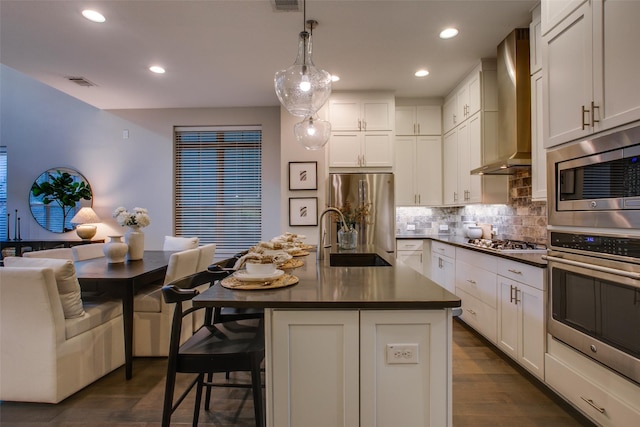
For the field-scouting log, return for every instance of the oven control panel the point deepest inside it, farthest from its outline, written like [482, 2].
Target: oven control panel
[594, 243]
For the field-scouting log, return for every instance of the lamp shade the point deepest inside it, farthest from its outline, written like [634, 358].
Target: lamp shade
[303, 88]
[313, 133]
[85, 218]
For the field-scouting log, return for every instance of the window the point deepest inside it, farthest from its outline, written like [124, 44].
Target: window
[218, 186]
[3, 194]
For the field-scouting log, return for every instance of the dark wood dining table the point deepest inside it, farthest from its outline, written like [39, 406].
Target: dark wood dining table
[123, 280]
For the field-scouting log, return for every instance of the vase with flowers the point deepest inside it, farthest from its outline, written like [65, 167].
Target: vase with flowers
[135, 220]
[354, 218]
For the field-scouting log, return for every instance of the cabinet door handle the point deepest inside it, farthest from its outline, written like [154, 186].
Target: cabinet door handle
[593, 405]
[593, 114]
[419, 199]
[515, 271]
[418, 128]
[473, 282]
[455, 196]
[359, 124]
[364, 125]
[584, 110]
[414, 128]
[454, 119]
[471, 311]
[513, 294]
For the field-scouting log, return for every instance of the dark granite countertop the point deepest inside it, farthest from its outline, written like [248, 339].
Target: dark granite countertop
[321, 286]
[532, 258]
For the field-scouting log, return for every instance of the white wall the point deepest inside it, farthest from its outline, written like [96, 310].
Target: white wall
[43, 128]
[292, 151]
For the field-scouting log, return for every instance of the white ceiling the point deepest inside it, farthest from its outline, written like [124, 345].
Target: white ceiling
[224, 53]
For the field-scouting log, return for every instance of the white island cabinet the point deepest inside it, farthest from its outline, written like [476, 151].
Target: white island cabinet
[353, 345]
[358, 367]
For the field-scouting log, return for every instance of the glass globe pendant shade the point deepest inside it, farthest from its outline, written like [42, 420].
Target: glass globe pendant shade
[312, 133]
[303, 88]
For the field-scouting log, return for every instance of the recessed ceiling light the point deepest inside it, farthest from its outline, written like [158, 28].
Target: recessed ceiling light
[448, 33]
[157, 69]
[93, 15]
[334, 78]
[421, 73]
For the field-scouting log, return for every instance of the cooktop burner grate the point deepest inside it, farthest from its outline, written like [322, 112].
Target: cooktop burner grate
[507, 245]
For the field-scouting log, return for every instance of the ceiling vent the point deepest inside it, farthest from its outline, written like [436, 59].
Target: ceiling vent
[80, 81]
[285, 5]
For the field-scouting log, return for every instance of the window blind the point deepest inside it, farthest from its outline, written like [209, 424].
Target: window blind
[3, 194]
[218, 186]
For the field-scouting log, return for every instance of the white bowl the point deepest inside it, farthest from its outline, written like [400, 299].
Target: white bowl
[474, 232]
[260, 269]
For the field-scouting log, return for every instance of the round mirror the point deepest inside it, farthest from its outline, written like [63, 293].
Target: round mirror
[56, 196]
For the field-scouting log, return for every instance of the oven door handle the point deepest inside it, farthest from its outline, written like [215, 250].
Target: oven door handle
[609, 270]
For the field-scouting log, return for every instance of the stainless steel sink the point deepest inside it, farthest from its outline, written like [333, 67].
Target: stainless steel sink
[357, 260]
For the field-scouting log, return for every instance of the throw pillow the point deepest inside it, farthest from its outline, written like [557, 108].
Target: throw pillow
[68, 285]
[172, 243]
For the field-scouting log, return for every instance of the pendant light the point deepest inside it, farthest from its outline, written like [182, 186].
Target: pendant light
[313, 133]
[303, 88]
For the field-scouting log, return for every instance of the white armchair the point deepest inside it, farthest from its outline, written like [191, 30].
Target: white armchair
[57, 253]
[90, 251]
[45, 357]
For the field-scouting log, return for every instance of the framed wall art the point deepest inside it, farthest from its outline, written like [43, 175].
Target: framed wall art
[303, 175]
[303, 211]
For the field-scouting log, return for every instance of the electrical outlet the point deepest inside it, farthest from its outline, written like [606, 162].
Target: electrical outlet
[411, 227]
[402, 353]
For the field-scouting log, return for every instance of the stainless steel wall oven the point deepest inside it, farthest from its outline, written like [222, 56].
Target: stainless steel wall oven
[594, 249]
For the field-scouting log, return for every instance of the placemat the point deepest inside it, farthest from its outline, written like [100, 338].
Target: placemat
[281, 282]
[290, 264]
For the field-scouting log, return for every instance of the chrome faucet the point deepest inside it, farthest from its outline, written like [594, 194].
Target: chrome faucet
[321, 246]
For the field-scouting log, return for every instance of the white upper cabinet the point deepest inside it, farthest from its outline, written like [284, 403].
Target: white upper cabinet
[419, 120]
[468, 98]
[350, 111]
[583, 93]
[418, 171]
[538, 153]
[361, 129]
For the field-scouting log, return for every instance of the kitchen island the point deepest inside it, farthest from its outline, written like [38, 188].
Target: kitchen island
[353, 345]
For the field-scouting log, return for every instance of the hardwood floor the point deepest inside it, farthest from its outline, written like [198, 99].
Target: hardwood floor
[487, 391]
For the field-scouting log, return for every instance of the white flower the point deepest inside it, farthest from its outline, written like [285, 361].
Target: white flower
[138, 218]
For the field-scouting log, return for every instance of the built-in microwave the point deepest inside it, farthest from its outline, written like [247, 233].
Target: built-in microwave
[596, 182]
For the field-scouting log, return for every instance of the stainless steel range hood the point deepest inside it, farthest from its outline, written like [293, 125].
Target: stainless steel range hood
[512, 148]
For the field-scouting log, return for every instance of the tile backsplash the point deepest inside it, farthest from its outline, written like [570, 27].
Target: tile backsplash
[521, 219]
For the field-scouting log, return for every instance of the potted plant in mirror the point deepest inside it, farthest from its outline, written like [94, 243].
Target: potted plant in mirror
[64, 190]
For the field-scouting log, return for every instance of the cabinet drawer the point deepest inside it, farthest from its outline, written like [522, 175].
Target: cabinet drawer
[478, 315]
[443, 249]
[484, 261]
[476, 282]
[596, 402]
[408, 245]
[524, 273]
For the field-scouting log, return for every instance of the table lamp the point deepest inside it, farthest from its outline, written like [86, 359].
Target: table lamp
[85, 219]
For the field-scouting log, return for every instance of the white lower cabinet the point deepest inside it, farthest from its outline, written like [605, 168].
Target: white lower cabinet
[337, 368]
[476, 286]
[411, 252]
[443, 265]
[608, 399]
[521, 325]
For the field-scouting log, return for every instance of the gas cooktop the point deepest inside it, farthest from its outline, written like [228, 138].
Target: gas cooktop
[507, 245]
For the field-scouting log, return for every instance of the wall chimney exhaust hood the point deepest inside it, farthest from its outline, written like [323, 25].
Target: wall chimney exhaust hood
[511, 150]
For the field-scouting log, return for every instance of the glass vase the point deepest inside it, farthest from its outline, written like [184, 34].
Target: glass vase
[348, 239]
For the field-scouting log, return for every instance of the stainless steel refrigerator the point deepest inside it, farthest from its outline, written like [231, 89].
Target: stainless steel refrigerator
[373, 190]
